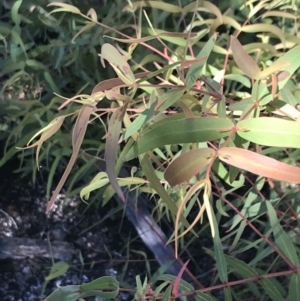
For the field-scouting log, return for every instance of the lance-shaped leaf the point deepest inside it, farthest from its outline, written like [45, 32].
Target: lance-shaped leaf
[64, 8]
[111, 148]
[153, 4]
[196, 68]
[105, 287]
[58, 269]
[114, 82]
[291, 56]
[99, 181]
[294, 288]
[244, 61]
[77, 138]
[282, 239]
[155, 183]
[176, 38]
[259, 164]
[263, 27]
[176, 131]
[142, 119]
[175, 289]
[273, 69]
[193, 190]
[218, 248]
[187, 165]
[46, 133]
[204, 297]
[270, 131]
[118, 62]
[83, 29]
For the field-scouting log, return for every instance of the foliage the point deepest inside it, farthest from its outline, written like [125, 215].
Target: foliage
[203, 112]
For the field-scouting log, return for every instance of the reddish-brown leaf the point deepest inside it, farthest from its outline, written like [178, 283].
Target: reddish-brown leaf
[259, 164]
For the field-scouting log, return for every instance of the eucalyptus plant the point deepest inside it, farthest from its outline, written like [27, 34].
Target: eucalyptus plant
[201, 111]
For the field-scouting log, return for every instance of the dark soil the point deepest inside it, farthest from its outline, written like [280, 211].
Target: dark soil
[93, 253]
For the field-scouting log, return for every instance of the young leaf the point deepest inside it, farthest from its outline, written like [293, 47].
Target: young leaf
[118, 62]
[94, 185]
[58, 269]
[46, 133]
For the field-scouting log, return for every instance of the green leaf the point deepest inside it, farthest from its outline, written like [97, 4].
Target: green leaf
[184, 286]
[14, 149]
[160, 190]
[15, 12]
[282, 240]
[168, 99]
[65, 293]
[224, 174]
[227, 294]
[291, 56]
[105, 287]
[271, 289]
[105, 282]
[288, 96]
[294, 288]
[260, 94]
[167, 294]
[245, 81]
[159, 289]
[245, 271]
[196, 69]
[219, 254]
[142, 119]
[58, 269]
[169, 131]
[270, 131]
[153, 4]
[94, 185]
[204, 297]
[36, 65]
